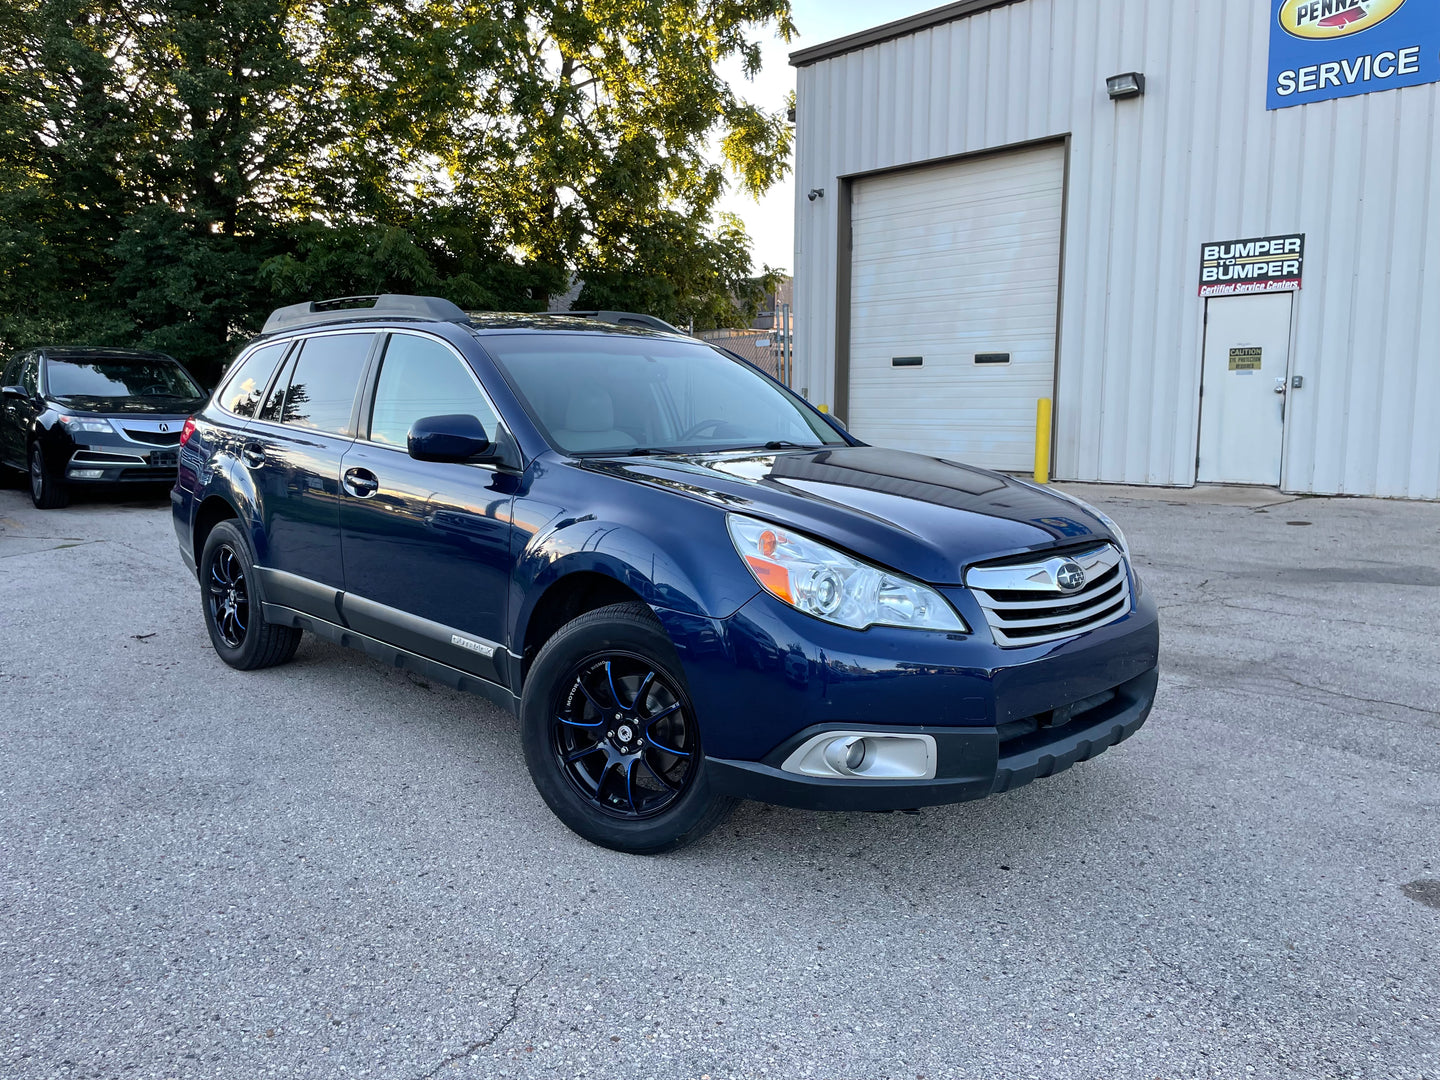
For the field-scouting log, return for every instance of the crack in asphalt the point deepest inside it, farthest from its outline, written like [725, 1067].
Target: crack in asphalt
[1262, 692]
[489, 1040]
[1354, 697]
[57, 547]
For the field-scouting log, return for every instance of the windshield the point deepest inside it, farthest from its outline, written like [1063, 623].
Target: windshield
[618, 395]
[119, 378]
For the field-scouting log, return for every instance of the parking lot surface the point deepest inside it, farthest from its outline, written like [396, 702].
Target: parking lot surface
[336, 869]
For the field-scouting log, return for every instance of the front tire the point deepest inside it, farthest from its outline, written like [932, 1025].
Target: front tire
[238, 630]
[47, 491]
[610, 735]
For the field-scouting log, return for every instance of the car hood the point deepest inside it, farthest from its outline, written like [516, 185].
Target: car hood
[924, 516]
[130, 406]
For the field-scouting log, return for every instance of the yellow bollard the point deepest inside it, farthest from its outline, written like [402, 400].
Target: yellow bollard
[823, 408]
[1042, 441]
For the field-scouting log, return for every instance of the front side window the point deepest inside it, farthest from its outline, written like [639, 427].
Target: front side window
[120, 378]
[30, 375]
[11, 377]
[420, 377]
[243, 389]
[612, 395]
[323, 380]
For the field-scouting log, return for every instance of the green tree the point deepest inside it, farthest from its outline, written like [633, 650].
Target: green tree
[171, 169]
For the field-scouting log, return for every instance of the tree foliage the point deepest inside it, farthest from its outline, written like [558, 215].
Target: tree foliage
[172, 169]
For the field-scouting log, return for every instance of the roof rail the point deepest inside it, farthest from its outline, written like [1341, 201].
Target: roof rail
[625, 318]
[347, 308]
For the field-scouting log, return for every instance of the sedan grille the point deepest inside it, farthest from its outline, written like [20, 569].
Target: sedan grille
[155, 438]
[1025, 604]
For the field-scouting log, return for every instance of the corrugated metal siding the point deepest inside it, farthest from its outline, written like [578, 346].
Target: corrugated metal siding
[1196, 159]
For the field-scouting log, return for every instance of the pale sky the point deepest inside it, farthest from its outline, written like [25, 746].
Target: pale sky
[771, 221]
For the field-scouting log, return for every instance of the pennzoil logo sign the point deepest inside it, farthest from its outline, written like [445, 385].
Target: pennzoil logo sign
[1325, 20]
[1326, 49]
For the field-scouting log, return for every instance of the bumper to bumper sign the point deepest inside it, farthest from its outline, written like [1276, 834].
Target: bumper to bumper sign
[973, 762]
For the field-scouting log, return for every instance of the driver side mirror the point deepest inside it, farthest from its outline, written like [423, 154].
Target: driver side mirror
[458, 438]
[14, 392]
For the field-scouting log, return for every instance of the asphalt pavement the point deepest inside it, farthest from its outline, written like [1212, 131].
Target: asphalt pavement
[335, 869]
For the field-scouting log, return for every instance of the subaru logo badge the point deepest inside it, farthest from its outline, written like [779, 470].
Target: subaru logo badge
[164, 427]
[1070, 576]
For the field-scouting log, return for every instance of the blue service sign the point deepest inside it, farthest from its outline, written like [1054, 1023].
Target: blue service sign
[1324, 49]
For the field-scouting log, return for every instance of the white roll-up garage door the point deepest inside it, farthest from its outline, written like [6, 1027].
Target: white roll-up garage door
[955, 276]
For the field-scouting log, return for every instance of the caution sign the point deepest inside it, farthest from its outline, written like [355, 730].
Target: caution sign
[1262, 264]
[1246, 358]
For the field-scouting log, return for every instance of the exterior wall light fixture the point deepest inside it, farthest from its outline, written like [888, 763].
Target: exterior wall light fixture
[1131, 84]
[817, 193]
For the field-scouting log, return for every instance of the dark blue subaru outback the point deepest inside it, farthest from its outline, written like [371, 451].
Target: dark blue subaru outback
[690, 586]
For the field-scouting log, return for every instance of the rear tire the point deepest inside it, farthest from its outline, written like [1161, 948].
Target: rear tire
[610, 735]
[47, 491]
[238, 630]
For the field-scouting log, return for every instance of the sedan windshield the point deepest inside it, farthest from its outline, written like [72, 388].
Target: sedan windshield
[103, 378]
[629, 395]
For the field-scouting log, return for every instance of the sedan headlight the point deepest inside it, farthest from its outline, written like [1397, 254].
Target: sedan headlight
[76, 424]
[836, 587]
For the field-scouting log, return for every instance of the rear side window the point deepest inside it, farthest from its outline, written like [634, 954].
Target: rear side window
[243, 389]
[419, 378]
[323, 381]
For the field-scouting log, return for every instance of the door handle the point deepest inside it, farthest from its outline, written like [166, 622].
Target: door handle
[254, 455]
[1279, 386]
[361, 483]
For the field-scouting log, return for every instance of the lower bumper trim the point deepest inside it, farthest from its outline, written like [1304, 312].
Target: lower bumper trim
[973, 762]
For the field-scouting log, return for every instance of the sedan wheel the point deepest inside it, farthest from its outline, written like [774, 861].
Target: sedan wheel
[46, 492]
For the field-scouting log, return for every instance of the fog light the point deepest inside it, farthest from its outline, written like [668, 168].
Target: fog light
[87, 474]
[846, 754]
[865, 755]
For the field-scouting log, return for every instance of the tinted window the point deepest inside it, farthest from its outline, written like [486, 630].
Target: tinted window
[323, 381]
[608, 394]
[242, 392]
[11, 377]
[421, 377]
[30, 375]
[118, 378]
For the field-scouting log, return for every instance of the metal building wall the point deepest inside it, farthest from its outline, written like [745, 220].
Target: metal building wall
[1196, 159]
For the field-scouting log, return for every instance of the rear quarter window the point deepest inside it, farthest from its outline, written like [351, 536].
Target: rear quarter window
[242, 390]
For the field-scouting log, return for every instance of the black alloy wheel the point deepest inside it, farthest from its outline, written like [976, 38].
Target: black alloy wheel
[231, 604]
[611, 738]
[622, 737]
[229, 596]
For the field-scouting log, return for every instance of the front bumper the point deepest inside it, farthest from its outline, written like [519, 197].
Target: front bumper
[127, 464]
[769, 678]
[972, 763]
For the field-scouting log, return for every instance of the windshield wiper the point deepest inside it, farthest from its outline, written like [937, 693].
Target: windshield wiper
[647, 451]
[785, 444]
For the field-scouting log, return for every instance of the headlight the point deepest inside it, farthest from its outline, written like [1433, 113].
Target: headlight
[74, 424]
[831, 585]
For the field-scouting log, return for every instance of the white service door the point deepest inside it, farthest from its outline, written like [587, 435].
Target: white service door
[1243, 391]
[948, 263]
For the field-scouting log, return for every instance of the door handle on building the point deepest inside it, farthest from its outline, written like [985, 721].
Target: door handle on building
[1279, 386]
